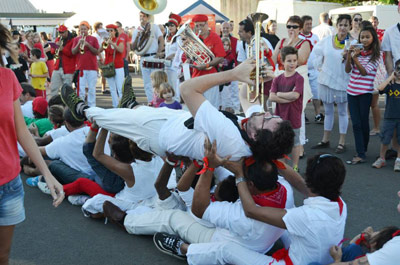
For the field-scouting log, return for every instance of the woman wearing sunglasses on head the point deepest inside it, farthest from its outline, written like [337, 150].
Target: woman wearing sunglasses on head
[356, 25]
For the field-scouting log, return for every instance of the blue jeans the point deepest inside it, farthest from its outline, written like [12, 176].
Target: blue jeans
[12, 209]
[110, 181]
[66, 174]
[126, 68]
[359, 112]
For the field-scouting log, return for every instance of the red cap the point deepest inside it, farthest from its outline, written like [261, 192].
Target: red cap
[111, 26]
[175, 19]
[39, 105]
[62, 28]
[200, 18]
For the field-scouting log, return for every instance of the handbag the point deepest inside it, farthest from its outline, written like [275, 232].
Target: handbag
[108, 70]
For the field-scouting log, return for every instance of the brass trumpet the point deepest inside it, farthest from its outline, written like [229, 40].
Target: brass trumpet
[57, 52]
[258, 50]
[82, 46]
[105, 44]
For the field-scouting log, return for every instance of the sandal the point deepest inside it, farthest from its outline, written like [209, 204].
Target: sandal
[321, 145]
[356, 160]
[374, 132]
[340, 149]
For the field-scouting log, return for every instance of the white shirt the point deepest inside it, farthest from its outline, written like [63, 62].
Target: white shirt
[27, 110]
[233, 225]
[242, 53]
[175, 138]
[57, 133]
[145, 174]
[324, 30]
[69, 149]
[313, 228]
[154, 43]
[389, 254]
[313, 38]
[391, 42]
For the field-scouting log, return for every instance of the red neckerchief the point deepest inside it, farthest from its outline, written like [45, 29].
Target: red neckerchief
[276, 198]
[340, 202]
[396, 233]
[212, 197]
[366, 53]
[282, 254]
[307, 37]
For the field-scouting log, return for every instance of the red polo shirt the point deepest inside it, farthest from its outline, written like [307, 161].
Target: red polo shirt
[214, 43]
[68, 59]
[88, 60]
[119, 59]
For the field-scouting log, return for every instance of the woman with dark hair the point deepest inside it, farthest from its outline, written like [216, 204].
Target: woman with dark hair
[270, 30]
[333, 81]
[13, 129]
[293, 25]
[114, 51]
[356, 25]
[49, 53]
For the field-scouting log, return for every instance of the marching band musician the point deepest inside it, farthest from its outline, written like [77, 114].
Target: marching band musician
[64, 66]
[154, 50]
[114, 51]
[171, 47]
[87, 48]
[214, 43]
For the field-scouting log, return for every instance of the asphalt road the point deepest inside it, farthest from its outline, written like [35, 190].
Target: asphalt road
[64, 236]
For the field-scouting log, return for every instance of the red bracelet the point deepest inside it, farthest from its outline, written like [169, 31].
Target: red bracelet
[205, 167]
[196, 164]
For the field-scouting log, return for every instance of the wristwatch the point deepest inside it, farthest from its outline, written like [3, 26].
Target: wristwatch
[240, 179]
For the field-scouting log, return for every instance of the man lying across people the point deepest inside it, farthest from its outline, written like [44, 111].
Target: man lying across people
[162, 130]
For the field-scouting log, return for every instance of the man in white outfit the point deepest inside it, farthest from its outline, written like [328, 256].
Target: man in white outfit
[324, 29]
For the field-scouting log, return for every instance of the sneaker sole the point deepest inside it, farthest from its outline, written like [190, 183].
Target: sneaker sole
[72, 112]
[165, 251]
[123, 89]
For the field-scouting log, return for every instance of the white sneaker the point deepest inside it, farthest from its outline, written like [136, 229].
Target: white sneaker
[43, 187]
[78, 199]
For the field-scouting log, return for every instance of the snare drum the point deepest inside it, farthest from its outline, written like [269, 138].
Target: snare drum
[155, 63]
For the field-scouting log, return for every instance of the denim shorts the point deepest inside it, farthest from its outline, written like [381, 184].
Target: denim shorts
[12, 209]
[387, 131]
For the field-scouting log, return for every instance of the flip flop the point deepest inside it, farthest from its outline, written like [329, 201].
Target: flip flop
[355, 162]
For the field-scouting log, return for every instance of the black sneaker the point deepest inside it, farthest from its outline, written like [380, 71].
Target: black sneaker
[71, 99]
[319, 118]
[169, 244]
[128, 96]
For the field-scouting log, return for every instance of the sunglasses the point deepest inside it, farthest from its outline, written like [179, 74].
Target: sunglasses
[292, 26]
[358, 19]
[321, 157]
[244, 121]
[109, 30]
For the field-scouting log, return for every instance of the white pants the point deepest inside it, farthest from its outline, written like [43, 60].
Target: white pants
[95, 205]
[226, 253]
[146, 72]
[172, 80]
[115, 84]
[229, 96]
[212, 95]
[142, 125]
[58, 79]
[89, 80]
[303, 139]
[174, 222]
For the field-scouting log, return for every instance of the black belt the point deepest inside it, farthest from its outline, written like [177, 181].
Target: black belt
[149, 54]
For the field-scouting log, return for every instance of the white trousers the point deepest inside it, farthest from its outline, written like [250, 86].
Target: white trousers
[58, 79]
[227, 253]
[172, 80]
[115, 84]
[95, 205]
[140, 125]
[174, 222]
[303, 139]
[229, 96]
[212, 95]
[89, 80]
[146, 72]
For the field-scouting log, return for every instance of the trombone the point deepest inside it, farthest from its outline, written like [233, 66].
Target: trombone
[256, 49]
[82, 46]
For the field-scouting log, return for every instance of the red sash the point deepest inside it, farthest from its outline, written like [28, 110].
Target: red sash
[276, 198]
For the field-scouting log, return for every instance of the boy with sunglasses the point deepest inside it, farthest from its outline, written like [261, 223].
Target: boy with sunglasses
[287, 92]
[391, 122]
